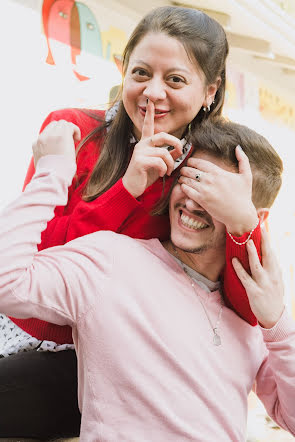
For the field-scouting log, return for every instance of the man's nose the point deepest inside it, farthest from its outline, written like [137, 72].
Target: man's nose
[192, 205]
[155, 90]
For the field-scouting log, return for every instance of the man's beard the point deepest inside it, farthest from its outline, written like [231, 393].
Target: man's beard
[214, 242]
[195, 250]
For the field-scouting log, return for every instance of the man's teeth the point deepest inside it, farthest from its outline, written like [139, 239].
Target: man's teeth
[192, 223]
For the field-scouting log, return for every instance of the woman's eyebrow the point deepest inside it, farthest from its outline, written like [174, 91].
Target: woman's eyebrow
[175, 68]
[141, 62]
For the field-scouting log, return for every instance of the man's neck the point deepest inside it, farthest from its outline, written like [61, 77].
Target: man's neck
[207, 263]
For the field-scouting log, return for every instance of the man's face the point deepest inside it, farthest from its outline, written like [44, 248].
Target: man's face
[193, 230]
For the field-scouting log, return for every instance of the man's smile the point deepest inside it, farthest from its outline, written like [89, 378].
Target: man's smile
[193, 222]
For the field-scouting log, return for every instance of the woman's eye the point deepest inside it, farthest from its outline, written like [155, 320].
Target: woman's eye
[176, 79]
[140, 72]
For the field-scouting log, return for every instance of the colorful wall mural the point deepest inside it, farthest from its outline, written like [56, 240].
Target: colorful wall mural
[275, 108]
[235, 89]
[72, 31]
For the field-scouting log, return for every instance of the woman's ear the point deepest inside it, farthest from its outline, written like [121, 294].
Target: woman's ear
[211, 91]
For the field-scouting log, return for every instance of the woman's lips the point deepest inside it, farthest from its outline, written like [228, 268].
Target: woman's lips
[159, 113]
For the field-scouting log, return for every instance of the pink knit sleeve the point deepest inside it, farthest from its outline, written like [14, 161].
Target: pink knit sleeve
[275, 381]
[23, 289]
[54, 284]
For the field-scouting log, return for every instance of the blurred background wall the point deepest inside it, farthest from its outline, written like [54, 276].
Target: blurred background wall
[67, 53]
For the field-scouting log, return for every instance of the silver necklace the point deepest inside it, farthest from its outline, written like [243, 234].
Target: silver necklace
[216, 335]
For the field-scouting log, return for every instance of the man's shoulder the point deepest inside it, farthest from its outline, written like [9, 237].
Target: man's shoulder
[120, 238]
[117, 242]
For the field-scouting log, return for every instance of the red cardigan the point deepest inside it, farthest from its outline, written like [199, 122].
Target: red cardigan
[118, 211]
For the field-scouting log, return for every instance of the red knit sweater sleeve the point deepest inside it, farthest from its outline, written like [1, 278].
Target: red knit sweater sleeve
[234, 293]
[107, 212]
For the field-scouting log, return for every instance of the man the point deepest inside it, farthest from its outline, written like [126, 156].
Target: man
[160, 357]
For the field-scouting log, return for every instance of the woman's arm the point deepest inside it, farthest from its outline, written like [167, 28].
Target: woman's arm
[113, 209]
[107, 212]
[235, 293]
[79, 218]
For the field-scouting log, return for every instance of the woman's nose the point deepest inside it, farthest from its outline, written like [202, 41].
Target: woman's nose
[155, 90]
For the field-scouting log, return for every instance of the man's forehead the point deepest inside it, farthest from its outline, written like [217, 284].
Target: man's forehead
[224, 164]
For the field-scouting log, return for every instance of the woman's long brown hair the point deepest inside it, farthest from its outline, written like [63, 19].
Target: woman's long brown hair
[205, 42]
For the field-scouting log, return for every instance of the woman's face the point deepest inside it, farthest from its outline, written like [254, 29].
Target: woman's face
[159, 69]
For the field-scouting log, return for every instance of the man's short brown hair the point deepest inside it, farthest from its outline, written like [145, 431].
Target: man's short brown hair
[219, 138]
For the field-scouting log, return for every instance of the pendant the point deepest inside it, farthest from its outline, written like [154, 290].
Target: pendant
[216, 337]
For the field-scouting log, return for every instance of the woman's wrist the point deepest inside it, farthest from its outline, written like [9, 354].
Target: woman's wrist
[247, 225]
[133, 192]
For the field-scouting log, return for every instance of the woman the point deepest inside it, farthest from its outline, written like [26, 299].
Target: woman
[174, 77]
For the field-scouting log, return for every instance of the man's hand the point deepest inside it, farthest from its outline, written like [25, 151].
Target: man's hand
[226, 196]
[58, 138]
[265, 288]
[149, 161]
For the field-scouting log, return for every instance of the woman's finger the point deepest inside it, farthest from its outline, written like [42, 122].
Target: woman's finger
[248, 283]
[148, 122]
[165, 155]
[191, 172]
[244, 165]
[158, 164]
[254, 262]
[192, 193]
[192, 182]
[76, 132]
[204, 166]
[171, 143]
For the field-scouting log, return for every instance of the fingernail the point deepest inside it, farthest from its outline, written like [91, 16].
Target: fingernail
[239, 147]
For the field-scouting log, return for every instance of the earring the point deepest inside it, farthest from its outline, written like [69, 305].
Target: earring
[207, 108]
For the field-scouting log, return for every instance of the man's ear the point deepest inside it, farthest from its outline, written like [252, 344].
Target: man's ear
[263, 214]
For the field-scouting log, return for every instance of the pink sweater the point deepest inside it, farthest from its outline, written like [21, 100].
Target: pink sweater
[147, 368]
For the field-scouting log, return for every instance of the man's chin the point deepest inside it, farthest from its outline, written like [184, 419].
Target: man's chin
[189, 248]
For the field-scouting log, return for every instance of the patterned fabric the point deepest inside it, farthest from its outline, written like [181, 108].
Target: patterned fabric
[14, 340]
